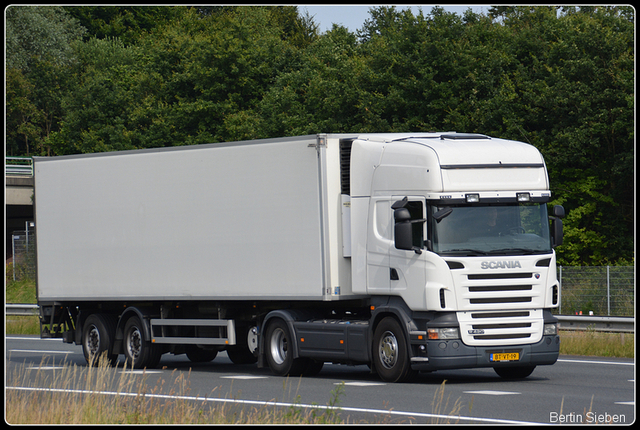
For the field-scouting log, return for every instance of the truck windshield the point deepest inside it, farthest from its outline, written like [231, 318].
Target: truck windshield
[500, 229]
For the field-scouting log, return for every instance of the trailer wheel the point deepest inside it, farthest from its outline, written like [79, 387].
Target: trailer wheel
[138, 351]
[278, 350]
[241, 352]
[390, 355]
[98, 333]
[519, 372]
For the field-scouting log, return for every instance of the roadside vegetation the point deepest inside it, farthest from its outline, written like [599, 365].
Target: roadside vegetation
[72, 394]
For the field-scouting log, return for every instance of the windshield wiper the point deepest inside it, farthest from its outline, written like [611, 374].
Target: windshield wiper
[521, 251]
[465, 251]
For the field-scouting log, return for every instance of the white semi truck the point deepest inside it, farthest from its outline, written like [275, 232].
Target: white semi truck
[407, 252]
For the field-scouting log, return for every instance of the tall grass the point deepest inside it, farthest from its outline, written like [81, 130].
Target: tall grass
[100, 394]
[601, 344]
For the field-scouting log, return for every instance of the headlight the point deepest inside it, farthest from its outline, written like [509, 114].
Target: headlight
[443, 333]
[550, 329]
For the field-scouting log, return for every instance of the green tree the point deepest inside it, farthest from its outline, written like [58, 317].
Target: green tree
[127, 23]
[39, 52]
[573, 95]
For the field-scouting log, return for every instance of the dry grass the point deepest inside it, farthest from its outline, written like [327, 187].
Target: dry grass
[71, 394]
[601, 344]
[104, 395]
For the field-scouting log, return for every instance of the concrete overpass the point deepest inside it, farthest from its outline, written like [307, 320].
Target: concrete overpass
[18, 197]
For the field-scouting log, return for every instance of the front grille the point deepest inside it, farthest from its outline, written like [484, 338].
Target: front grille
[486, 291]
[499, 300]
[501, 328]
[499, 276]
[501, 288]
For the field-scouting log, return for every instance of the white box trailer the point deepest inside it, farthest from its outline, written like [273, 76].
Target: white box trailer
[253, 220]
[295, 251]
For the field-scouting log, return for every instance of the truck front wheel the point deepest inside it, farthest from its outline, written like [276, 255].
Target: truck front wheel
[138, 350]
[98, 333]
[390, 354]
[279, 350]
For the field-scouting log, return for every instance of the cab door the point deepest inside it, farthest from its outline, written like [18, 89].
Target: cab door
[379, 241]
[407, 267]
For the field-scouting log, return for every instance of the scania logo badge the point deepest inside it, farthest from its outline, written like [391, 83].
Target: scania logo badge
[537, 275]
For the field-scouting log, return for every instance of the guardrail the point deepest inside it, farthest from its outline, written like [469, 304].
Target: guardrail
[611, 324]
[567, 322]
[18, 166]
[17, 309]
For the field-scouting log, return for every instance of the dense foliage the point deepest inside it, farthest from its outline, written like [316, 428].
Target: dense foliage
[88, 79]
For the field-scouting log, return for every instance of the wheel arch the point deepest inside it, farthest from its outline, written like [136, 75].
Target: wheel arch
[142, 314]
[289, 316]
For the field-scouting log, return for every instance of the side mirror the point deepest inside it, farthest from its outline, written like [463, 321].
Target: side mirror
[403, 231]
[557, 233]
[558, 211]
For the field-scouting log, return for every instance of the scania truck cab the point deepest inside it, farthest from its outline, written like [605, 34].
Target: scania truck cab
[458, 228]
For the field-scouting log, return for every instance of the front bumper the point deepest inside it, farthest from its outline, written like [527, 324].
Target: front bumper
[453, 354]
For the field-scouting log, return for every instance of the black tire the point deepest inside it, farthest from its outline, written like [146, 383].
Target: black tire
[200, 355]
[278, 350]
[390, 352]
[138, 350]
[98, 334]
[519, 372]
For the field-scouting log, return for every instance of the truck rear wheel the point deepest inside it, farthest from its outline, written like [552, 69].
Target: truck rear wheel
[98, 333]
[138, 350]
[279, 350]
[390, 354]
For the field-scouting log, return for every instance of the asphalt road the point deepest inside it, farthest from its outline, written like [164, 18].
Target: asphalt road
[574, 390]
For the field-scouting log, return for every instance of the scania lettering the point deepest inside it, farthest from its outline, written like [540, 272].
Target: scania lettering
[405, 252]
[501, 264]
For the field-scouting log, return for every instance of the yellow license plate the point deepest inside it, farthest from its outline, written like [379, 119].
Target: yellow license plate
[508, 356]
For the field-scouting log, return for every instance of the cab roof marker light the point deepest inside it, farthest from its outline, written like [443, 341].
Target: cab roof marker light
[472, 198]
[523, 197]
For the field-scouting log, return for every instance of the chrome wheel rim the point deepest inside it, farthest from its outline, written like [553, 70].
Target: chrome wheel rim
[388, 350]
[278, 346]
[134, 343]
[92, 341]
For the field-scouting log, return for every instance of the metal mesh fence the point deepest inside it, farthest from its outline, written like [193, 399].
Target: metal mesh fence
[24, 255]
[600, 290]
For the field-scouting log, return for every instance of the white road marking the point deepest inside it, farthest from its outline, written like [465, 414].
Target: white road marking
[625, 403]
[361, 384]
[492, 393]
[140, 371]
[562, 360]
[244, 377]
[31, 338]
[42, 352]
[45, 367]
